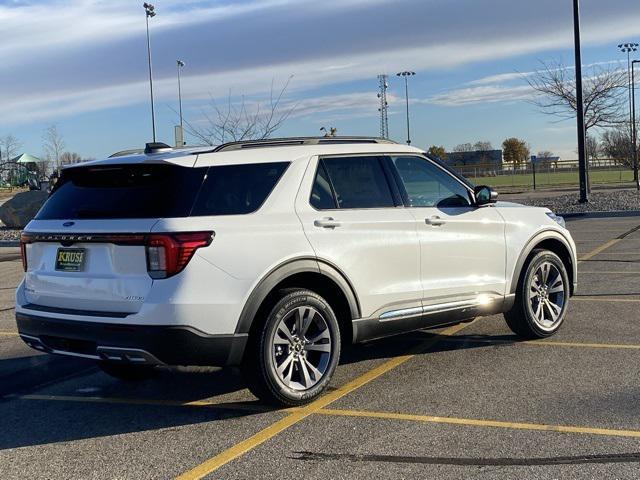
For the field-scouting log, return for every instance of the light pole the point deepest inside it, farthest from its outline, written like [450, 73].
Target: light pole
[633, 121]
[406, 76]
[583, 170]
[628, 48]
[149, 13]
[180, 65]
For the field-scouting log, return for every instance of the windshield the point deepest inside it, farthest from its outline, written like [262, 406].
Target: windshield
[450, 170]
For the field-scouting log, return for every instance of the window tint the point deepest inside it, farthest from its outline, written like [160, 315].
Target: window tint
[429, 186]
[321, 194]
[359, 182]
[237, 189]
[123, 191]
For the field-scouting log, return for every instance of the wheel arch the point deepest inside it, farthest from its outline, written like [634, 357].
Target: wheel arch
[316, 275]
[554, 242]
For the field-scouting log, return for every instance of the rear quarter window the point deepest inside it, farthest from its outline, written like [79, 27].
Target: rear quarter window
[237, 189]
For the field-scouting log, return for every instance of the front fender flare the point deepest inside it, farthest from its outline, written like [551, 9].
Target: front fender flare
[531, 244]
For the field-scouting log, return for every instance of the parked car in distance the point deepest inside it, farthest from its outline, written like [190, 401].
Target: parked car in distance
[272, 255]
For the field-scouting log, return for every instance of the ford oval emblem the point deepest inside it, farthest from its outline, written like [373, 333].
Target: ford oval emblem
[68, 224]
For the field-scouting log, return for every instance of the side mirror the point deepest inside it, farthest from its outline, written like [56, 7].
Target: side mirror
[485, 195]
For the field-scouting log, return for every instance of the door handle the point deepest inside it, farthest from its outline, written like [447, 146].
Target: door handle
[435, 221]
[327, 222]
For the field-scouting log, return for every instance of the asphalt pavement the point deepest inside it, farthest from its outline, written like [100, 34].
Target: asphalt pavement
[471, 401]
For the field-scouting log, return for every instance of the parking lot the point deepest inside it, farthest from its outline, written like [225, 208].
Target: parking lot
[465, 401]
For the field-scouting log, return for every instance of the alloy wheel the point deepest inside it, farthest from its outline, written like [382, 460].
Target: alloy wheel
[301, 348]
[547, 294]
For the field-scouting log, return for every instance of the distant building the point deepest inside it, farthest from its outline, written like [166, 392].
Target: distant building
[489, 158]
[545, 159]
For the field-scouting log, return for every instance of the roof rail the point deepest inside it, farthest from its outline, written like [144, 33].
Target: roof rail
[294, 141]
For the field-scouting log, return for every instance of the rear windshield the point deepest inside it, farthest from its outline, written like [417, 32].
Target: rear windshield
[159, 191]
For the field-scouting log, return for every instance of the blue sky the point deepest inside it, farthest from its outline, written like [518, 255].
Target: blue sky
[81, 64]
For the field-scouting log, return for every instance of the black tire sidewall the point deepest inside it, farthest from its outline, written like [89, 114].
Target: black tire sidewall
[534, 263]
[291, 301]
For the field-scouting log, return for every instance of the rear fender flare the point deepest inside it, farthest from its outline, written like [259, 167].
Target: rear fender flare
[282, 272]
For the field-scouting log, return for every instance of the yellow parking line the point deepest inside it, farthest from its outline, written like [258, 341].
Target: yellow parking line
[587, 298]
[610, 272]
[545, 343]
[599, 249]
[9, 334]
[481, 423]
[623, 253]
[548, 343]
[296, 416]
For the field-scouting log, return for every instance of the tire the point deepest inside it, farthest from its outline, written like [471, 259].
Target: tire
[127, 372]
[286, 368]
[541, 313]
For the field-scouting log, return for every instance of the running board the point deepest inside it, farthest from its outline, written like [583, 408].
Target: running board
[427, 316]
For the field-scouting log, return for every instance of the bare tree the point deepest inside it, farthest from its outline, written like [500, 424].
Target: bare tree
[592, 147]
[9, 146]
[463, 147]
[43, 168]
[242, 120]
[482, 146]
[69, 158]
[603, 92]
[547, 156]
[615, 144]
[54, 145]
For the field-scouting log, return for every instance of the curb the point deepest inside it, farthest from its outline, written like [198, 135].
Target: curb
[9, 243]
[601, 214]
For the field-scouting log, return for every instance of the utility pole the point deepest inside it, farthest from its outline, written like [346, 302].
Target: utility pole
[628, 48]
[384, 106]
[635, 126]
[180, 65]
[150, 13]
[406, 76]
[583, 169]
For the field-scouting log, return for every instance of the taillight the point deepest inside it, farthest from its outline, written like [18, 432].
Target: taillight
[23, 250]
[168, 254]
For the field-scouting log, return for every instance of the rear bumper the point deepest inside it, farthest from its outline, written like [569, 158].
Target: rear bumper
[170, 345]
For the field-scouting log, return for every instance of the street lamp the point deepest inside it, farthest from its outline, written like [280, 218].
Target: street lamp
[628, 48]
[406, 76]
[583, 168]
[150, 13]
[180, 65]
[633, 121]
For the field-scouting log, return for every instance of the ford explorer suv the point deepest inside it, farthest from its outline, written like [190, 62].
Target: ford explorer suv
[273, 255]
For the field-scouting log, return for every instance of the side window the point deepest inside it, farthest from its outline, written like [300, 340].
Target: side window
[321, 195]
[237, 189]
[359, 182]
[429, 186]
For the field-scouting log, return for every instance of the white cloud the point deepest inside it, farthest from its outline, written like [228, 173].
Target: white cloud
[482, 94]
[347, 52]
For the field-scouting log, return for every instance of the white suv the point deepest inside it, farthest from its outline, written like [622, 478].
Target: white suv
[272, 254]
